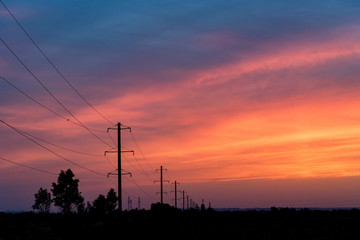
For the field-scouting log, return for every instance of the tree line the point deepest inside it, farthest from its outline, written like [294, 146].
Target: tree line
[65, 194]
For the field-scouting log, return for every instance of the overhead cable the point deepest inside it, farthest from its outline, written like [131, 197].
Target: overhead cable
[50, 93]
[51, 151]
[45, 107]
[52, 64]
[27, 166]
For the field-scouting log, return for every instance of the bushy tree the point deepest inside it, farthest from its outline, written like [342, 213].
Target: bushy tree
[42, 201]
[66, 192]
[81, 208]
[111, 201]
[99, 205]
[105, 205]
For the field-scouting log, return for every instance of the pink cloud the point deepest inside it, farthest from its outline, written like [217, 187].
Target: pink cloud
[205, 127]
[290, 57]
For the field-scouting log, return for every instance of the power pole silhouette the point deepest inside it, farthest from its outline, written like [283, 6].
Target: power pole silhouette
[129, 204]
[139, 203]
[183, 208]
[119, 128]
[161, 184]
[187, 200]
[176, 191]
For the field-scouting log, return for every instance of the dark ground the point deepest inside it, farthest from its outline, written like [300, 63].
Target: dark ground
[274, 224]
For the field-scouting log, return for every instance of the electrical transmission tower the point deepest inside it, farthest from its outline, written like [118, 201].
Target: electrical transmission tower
[176, 191]
[161, 184]
[119, 127]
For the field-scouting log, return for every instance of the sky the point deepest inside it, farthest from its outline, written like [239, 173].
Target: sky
[245, 103]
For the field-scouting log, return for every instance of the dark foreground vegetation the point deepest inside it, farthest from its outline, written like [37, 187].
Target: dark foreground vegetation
[168, 223]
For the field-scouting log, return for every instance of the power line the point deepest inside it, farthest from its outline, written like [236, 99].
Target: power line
[49, 150]
[137, 145]
[52, 64]
[27, 166]
[45, 107]
[115, 144]
[141, 168]
[38, 169]
[143, 157]
[115, 184]
[67, 149]
[50, 93]
[56, 99]
[127, 192]
[111, 138]
[34, 100]
[58, 146]
[138, 162]
[141, 189]
[109, 161]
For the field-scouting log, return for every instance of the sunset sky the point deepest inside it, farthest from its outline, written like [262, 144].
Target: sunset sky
[245, 103]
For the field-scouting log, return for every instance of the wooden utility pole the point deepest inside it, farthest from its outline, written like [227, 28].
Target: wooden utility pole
[176, 193]
[187, 198]
[161, 184]
[119, 167]
[183, 208]
[119, 128]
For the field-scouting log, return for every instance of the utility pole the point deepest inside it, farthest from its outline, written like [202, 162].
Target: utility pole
[161, 184]
[139, 203]
[119, 128]
[176, 193]
[183, 208]
[129, 204]
[187, 204]
[119, 166]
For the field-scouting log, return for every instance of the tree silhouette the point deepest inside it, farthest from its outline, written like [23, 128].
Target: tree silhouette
[99, 205]
[42, 201]
[111, 201]
[105, 205]
[202, 208]
[66, 192]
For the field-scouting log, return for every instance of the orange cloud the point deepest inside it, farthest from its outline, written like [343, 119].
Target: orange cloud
[310, 134]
